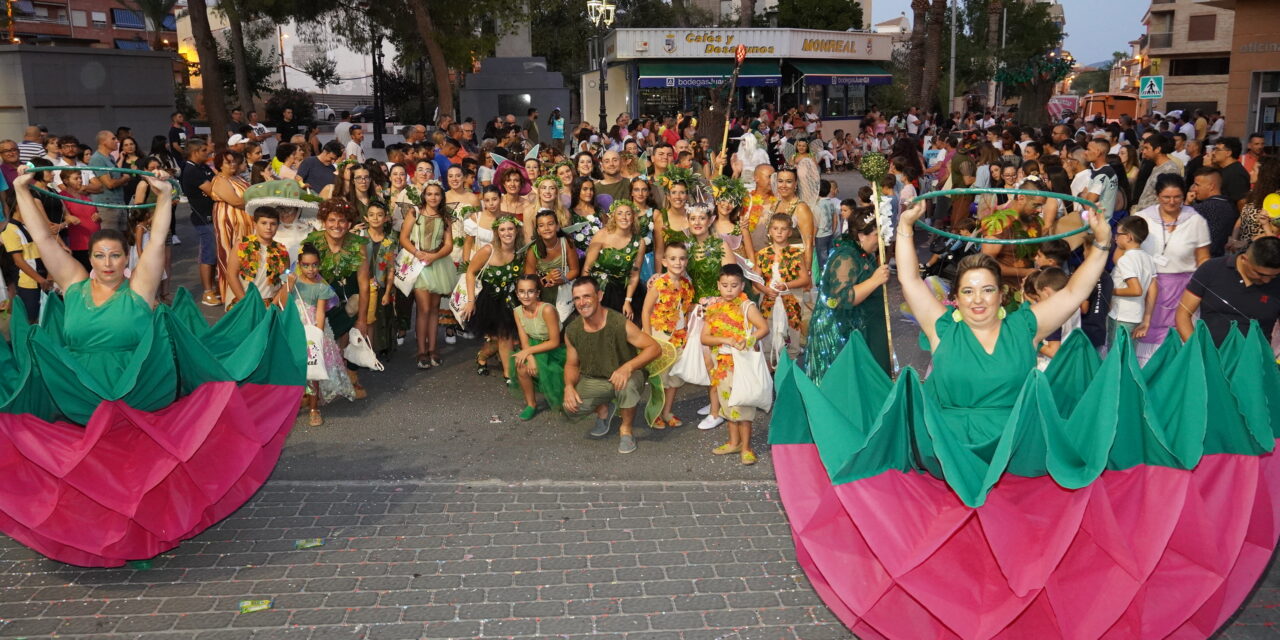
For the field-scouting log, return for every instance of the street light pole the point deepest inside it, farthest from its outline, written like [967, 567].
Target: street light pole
[284, 79]
[379, 119]
[601, 13]
[951, 94]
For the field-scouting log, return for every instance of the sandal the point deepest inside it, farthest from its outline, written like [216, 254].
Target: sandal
[748, 458]
[423, 362]
[482, 368]
[435, 361]
[315, 419]
[658, 424]
[673, 421]
[726, 449]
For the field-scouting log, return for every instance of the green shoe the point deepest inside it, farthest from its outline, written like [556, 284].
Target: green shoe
[528, 413]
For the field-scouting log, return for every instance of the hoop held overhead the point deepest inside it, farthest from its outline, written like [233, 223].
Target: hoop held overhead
[1026, 192]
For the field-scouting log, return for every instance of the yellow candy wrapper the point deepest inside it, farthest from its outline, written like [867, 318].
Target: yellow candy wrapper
[249, 606]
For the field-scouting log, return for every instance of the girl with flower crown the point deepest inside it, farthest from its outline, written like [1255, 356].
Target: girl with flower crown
[584, 215]
[565, 173]
[488, 312]
[645, 215]
[729, 194]
[614, 257]
[546, 190]
[673, 224]
[460, 203]
[427, 234]
[478, 227]
[551, 257]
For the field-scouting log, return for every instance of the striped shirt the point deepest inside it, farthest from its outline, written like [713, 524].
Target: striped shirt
[28, 150]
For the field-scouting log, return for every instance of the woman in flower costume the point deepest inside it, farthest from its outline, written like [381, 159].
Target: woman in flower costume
[344, 265]
[729, 194]
[584, 219]
[493, 270]
[138, 418]
[673, 225]
[614, 257]
[707, 253]
[546, 191]
[427, 233]
[646, 213]
[850, 298]
[1096, 499]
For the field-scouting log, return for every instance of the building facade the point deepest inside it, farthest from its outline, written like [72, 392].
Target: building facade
[1189, 43]
[104, 24]
[1253, 86]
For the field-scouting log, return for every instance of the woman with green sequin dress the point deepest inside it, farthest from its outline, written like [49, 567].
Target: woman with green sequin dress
[614, 257]
[494, 270]
[850, 298]
[707, 253]
[344, 265]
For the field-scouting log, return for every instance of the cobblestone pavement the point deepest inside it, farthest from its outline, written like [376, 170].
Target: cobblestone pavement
[562, 560]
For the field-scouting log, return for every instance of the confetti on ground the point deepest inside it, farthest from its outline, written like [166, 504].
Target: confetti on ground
[494, 419]
[140, 565]
[249, 606]
[308, 543]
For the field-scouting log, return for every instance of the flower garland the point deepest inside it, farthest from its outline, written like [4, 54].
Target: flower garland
[547, 177]
[277, 259]
[502, 219]
[623, 202]
[678, 175]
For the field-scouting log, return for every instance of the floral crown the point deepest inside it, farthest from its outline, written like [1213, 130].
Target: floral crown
[678, 175]
[622, 202]
[501, 219]
[342, 164]
[433, 182]
[537, 182]
[727, 188]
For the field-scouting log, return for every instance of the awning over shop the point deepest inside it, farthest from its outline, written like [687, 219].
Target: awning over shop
[841, 73]
[755, 73]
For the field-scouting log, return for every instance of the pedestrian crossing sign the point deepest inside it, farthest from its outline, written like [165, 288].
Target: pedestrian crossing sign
[1151, 87]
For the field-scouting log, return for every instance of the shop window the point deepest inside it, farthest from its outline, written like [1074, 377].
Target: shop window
[835, 105]
[1199, 66]
[857, 101]
[814, 95]
[1201, 28]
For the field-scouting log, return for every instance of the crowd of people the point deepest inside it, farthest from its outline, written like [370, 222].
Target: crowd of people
[577, 260]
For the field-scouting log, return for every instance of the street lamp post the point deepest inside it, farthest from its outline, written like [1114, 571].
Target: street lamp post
[379, 117]
[602, 13]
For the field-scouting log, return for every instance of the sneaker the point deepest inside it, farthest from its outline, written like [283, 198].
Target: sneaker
[705, 411]
[601, 428]
[450, 338]
[211, 299]
[467, 335]
[626, 444]
[710, 422]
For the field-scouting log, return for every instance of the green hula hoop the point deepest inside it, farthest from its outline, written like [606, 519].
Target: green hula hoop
[102, 205]
[1026, 192]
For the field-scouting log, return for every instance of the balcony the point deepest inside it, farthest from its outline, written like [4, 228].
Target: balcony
[1160, 40]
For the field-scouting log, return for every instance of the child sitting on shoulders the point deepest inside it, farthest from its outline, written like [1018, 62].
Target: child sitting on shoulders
[261, 260]
[730, 321]
[665, 315]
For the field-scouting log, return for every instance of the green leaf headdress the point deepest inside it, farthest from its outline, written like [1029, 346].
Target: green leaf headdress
[729, 188]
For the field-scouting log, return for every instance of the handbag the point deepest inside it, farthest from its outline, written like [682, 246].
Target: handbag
[690, 366]
[315, 343]
[564, 292]
[752, 383]
[359, 352]
[458, 299]
[408, 266]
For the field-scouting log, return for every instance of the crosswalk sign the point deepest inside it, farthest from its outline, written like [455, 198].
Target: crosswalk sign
[1151, 87]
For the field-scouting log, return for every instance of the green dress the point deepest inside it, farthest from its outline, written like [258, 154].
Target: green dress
[836, 317]
[612, 269]
[550, 380]
[341, 269]
[704, 266]
[441, 275]
[546, 265]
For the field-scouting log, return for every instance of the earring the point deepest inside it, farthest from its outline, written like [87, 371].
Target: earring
[957, 316]
[1001, 313]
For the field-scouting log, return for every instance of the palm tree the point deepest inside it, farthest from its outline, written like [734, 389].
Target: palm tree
[155, 11]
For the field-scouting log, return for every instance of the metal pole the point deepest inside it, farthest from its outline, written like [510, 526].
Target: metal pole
[284, 80]
[1004, 37]
[379, 121]
[951, 94]
[604, 84]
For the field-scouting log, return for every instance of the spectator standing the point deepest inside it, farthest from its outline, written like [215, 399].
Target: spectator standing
[1217, 211]
[342, 130]
[1155, 149]
[32, 145]
[317, 171]
[531, 132]
[353, 148]
[287, 128]
[197, 185]
[1234, 290]
[177, 136]
[1235, 177]
[110, 186]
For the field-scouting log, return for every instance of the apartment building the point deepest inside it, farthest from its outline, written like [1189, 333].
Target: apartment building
[1253, 89]
[1189, 43]
[88, 23]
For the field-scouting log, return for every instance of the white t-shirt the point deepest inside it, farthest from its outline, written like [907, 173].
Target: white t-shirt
[913, 123]
[354, 149]
[1133, 264]
[988, 123]
[1188, 129]
[342, 132]
[1080, 183]
[1176, 249]
[1216, 128]
[1181, 157]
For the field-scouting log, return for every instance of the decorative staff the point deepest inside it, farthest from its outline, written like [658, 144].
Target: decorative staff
[739, 55]
[873, 167]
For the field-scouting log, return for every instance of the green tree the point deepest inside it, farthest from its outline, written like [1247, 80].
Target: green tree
[322, 70]
[303, 106]
[1097, 80]
[259, 72]
[837, 15]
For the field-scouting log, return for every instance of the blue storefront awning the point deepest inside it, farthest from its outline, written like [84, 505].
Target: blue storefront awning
[754, 73]
[126, 19]
[842, 73]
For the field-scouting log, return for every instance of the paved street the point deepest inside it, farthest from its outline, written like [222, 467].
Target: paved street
[433, 520]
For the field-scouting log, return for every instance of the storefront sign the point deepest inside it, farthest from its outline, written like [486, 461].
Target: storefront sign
[759, 43]
[1260, 47]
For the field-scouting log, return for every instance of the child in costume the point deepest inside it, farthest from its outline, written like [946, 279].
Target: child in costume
[665, 316]
[383, 247]
[539, 364]
[729, 323]
[259, 259]
[316, 297]
[783, 265]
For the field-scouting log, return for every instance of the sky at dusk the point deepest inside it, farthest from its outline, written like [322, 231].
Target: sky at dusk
[1094, 28]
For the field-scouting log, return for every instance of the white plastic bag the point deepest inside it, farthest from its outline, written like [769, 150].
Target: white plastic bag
[408, 266]
[358, 351]
[690, 367]
[752, 383]
[315, 353]
[564, 301]
[458, 299]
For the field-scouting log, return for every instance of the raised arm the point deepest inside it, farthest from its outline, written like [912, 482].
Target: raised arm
[926, 308]
[64, 269]
[150, 268]
[1057, 309]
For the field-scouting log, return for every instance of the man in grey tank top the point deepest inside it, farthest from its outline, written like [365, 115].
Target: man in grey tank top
[605, 359]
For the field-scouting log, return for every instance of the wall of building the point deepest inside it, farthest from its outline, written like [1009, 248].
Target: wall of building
[1255, 46]
[1172, 43]
[76, 90]
[617, 100]
[71, 22]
